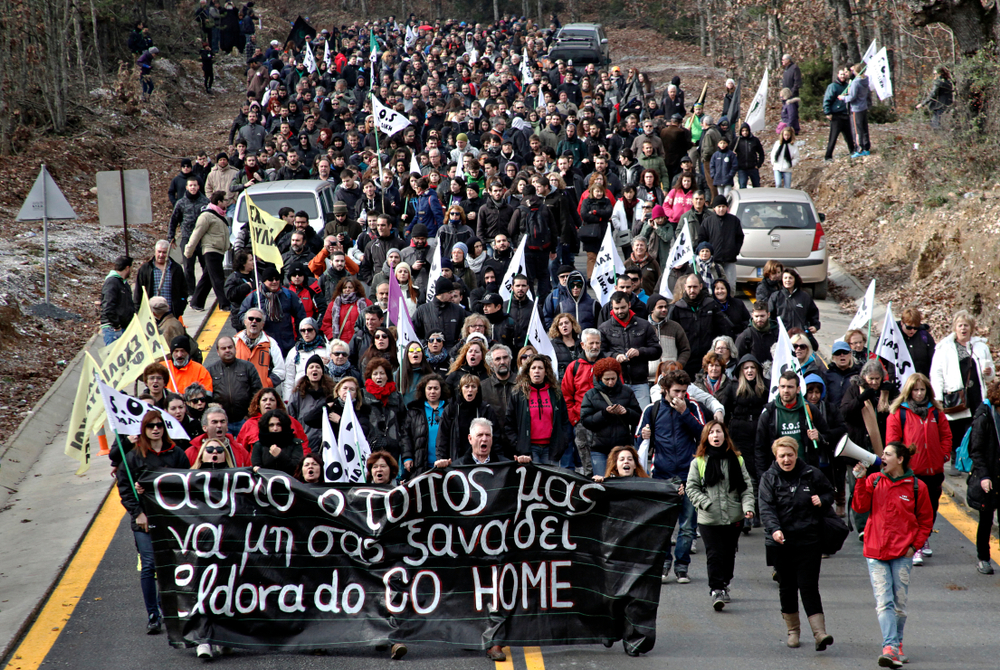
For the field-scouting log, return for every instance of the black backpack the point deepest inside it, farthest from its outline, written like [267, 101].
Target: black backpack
[538, 224]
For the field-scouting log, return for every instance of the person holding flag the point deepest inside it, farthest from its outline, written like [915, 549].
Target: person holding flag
[790, 415]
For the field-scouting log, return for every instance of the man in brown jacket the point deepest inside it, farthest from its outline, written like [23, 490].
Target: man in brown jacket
[219, 178]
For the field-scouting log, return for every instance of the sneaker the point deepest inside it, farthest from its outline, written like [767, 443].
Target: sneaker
[694, 548]
[903, 658]
[665, 578]
[154, 624]
[682, 577]
[205, 650]
[726, 598]
[718, 602]
[866, 153]
[927, 549]
[985, 567]
[856, 154]
[861, 536]
[918, 557]
[889, 658]
[827, 160]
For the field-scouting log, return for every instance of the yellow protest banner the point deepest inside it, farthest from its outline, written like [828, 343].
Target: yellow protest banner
[128, 357]
[264, 231]
[87, 399]
[157, 347]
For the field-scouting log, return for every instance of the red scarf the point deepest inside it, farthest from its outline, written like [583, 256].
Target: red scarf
[380, 392]
[624, 324]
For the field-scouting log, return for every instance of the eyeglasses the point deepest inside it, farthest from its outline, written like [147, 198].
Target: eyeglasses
[381, 337]
[156, 426]
[435, 339]
[307, 330]
[907, 326]
[338, 354]
[214, 450]
[525, 357]
[199, 400]
[800, 346]
[254, 319]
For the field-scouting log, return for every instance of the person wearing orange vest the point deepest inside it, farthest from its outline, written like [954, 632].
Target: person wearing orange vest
[183, 370]
[255, 346]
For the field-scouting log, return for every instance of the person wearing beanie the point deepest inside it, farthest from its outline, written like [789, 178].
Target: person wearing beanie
[610, 411]
[219, 178]
[234, 383]
[309, 395]
[418, 256]
[183, 370]
[280, 306]
[441, 315]
[452, 231]
[551, 306]
[303, 285]
[725, 233]
[462, 147]
[711, 134]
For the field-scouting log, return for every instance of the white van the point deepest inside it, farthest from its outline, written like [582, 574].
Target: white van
[312, 196]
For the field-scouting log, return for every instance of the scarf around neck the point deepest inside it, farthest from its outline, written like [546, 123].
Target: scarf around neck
[381, 393]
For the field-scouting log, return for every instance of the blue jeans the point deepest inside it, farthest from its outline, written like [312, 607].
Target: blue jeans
[600, 462]
[147, 576]
[687, 527]
[641, 394]
[110, 335]
[752, 175]
[891, 585]
[782, 179]
[235, 427]
[147, 84]
[540, 454]
[570, 456]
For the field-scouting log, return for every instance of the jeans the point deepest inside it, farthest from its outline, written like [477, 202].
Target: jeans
[540, 454]
[537, 268]
[600, 462]
[752, 175]
[799, 570]
[782, 179]
[891, 585]
[563, 257]
[147, 84]
[147, 576]
[641, 394]
[687, 526]
[569, 457]
[189, 268]
[110, 335]
[724, 190]
[983, 533]
[212, 278]
[215, 34]
[859, 124]
[730, 270]
[721, 543]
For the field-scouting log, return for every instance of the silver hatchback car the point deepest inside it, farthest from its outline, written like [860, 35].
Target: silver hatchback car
[781, 224]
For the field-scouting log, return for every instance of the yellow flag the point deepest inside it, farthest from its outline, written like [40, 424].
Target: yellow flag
[128, 357]
[87, 399]
[157, 347]
[264, 231]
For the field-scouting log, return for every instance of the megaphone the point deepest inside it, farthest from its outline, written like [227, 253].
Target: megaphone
[847, 448]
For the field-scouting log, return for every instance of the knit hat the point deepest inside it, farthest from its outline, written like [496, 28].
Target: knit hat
[298, 270]
[419, 230]
[269, 273]
[719, 200]
[443, 285]
[446, 263]
[315, 358]
[653, 299]
[461, 137]
[705, 245]
[340, 207]
[181, 342]
[657, 212]
[461, 245]
[308, 321]
[605, 364]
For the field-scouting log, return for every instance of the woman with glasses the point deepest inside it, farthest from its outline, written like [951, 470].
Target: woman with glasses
[412, 371]
[340, 365]
[197, 398]
[154, 450]
[858, 342]
[437, 356]
[918, 340]
[806, 357]
[310, 342]
[383, 346]
[348, 390]
[213, 455]
[455, 229]
[308, 398]
[524, 354]
[276, 447]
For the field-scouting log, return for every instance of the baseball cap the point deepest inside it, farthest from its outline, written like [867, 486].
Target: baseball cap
[841, 348]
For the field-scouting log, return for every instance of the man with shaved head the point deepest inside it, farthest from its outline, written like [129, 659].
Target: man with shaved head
[234, 382]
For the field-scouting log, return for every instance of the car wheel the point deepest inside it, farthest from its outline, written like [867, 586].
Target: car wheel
[819, 290]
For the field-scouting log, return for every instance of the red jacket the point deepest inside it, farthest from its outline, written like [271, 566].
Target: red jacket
[240, 455]
[577, 380]
[893, 527]
[250, 432]
[932, 436]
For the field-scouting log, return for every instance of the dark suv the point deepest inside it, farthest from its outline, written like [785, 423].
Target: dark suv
[586, 37]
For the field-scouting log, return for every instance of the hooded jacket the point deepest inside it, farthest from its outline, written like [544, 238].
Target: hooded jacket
[673, 436]
[117, 308]
[723, 166]
[896, 522]
[584, 307]
[610, 430]
[749, 151]
[857, 94]
[617, 337]
[453, 432]
[931, 434]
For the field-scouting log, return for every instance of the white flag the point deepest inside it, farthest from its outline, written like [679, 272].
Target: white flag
[681, 252]
[879, 75]
[414, 163]
[516, 267]
[405, 333]
[389, 121]
[892, 347]
[525, 68]
[353, 443]
[411, 37]
[435, 272]
[333, 456]
[784, 359]
[755, 114]
[866, 59]
[125, 412]
[538, 337]
[327, 58]
[608, 266]
[865, 307]
[309, 60]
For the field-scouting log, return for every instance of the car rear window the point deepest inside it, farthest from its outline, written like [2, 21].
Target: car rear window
[769, 215]
[272, 202]
[578, 56]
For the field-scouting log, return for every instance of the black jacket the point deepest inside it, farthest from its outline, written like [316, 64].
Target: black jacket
[610, 430]
[702, 322]
[852, 405]
[139, 467]
[748, 150]
[742, 418]
[753, 341]
[438, 316]
[635, 304]
[238, 286]
[737, 313]
[117, 308]
[233, 386]
[984, 450]
[178, 285]
[453, 433]
[386, 423]
[520, 311]
[767, 433]
[493, 219]
[785, 500]
[921, 346]
[287, 461]
[796, 310]
[637, 333]
[415, 434]
[517, 425]
[724, 233]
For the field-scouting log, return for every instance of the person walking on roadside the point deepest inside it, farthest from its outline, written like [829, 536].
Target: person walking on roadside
[792, 498]
[900, 521]
[984, 480]
[719, 487]
[941, 97]
[211, 237]
[835, 110]
[162, 276]
[856, 98]
[117, 308]
[784, 156]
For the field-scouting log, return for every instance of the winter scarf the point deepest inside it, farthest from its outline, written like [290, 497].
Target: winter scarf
[339, 302]
[437, 359]
[337, 370]
[381, 393]
[713, 468]
[303, 347]
[271, 304]
[785, 150]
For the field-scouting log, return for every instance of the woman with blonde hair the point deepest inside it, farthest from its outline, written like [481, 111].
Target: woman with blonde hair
[565, 336]
[213, 455]
[471, 360]
[784, 156]
[404, 277]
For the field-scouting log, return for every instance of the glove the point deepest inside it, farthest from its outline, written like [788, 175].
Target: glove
[868, 394]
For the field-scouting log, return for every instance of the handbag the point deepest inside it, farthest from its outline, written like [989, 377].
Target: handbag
[954, 402]
[590, 232]
[621, 238]
[834, 533]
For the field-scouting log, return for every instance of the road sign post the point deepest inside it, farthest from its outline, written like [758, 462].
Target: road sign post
[123, 198]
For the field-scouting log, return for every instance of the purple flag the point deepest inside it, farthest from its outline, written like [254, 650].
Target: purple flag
[395, 293]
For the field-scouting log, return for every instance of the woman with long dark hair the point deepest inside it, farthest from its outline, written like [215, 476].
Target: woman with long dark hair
[423, 422]
[385, 407]
[536, 418]
[276, 447]
[720, 489]
[383, 346]
[414, 368]
[263, 402]
[154, 450]
[623, 462]
[747, 404]
[347, 303]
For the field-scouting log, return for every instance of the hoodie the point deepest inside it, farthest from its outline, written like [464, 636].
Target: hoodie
[857, 94]
[749, 151]
[583, 308]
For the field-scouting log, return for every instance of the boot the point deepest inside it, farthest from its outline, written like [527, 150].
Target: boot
[818, 624]
[792, 621]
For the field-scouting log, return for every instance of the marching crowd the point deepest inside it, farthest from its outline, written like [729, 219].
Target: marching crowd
[648, 385]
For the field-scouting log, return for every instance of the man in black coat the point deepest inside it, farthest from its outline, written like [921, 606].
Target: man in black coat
[725, 233]
[623, 284]
[179, 182]
[785, 416]
[441, 315]
[159, 273]
[519, 308]
[759, 336]
[701, 318]
[234, 383]
[633, 342]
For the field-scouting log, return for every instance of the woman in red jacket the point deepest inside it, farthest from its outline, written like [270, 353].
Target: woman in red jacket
[916, 418]
[899, 524]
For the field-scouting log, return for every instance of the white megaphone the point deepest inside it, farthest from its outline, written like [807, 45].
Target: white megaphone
[847, 448]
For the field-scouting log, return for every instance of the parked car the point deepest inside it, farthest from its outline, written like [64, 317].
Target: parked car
[781, 224]
[583, 38]
[313, 196]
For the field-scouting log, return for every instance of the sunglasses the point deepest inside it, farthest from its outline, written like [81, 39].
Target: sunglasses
[156, 425]
[800, 346]
[435, 339]
[199, 400]
[254, 319]
[338, 354]
[307, 330]
[214, 450]
[381, 337]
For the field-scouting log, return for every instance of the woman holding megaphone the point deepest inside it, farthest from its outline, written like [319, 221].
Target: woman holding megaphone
[917, 418]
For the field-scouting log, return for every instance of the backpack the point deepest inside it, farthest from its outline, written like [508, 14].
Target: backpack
[247, 26]
[538, 224]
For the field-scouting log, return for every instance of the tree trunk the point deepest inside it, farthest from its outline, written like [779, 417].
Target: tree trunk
[97, 44]
[702, 41]
[78, 30]
[710, 21]
[496, 10]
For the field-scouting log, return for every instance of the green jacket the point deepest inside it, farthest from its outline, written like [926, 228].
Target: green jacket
[717, 505]
[656, 163]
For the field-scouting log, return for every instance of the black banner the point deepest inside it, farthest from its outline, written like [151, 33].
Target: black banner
[474, 556]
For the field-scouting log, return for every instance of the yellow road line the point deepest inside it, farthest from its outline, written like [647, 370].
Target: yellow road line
[533, 658]
[962, 520]
[64, 599]
[508, 664]
[213, 326]
[750, 296]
